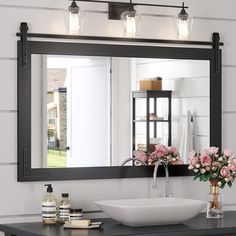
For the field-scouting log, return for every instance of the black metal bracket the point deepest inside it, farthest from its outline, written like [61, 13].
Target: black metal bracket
[216, 47]
[116, 9]
[24, 29]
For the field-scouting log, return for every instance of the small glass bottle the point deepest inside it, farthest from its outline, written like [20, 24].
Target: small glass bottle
[214, 203]
[75, 214]
[64, 208]
[49, 207]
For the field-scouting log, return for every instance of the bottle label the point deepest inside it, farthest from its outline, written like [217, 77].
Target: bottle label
[64, 212]
[49, 210]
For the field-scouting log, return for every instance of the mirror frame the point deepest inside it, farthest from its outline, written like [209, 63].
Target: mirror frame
[24, 170]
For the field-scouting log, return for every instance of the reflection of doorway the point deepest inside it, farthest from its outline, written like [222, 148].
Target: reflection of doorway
[78, 111]
[56, 102]
[89, 113]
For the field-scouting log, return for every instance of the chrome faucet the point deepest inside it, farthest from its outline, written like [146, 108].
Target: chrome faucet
[154, 185]
[133, 159]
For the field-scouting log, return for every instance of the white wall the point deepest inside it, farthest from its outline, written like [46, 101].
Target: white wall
[21, 201]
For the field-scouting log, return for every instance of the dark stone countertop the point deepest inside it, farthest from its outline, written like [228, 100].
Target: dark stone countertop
[198, 226]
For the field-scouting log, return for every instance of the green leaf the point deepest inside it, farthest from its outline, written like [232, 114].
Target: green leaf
[204, 177]
[196, 177]
[208, 175]
[229, 184]
[222, 184]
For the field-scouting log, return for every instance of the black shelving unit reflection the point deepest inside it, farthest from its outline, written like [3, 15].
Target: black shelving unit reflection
[150, 94]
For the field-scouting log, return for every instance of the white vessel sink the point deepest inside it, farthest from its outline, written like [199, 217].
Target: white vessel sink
[151, 211]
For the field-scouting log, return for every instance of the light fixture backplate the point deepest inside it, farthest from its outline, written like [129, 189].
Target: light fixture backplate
[116, 9]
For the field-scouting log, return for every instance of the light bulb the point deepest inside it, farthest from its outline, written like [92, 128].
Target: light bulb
[130, 27]
[183, 32]
[130, 21]
[74, 18]
[74, 24]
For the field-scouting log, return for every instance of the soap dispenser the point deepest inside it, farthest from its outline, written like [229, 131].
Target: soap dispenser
[64, 208]
[49, 206]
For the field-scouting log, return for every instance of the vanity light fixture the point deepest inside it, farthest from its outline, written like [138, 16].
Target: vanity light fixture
[130, 19]
[184, 24]
[74, 18]
[126, 12]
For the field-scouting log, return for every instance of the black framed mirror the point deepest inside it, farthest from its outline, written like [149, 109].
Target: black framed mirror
[31, 143]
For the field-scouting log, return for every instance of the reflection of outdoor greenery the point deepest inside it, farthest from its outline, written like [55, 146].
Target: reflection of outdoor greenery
[56, 159]
[51, 133]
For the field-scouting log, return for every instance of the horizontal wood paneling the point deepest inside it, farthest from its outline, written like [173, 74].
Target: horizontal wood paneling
[8, 137]
[179, 69]
[228, 90]
[229, 131]
[8, 84]
[197, 106]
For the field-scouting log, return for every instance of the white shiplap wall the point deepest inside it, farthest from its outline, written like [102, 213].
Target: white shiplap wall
[21, 201]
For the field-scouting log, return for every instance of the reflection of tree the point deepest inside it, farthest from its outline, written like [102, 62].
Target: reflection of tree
[58, 143]
[51, 134]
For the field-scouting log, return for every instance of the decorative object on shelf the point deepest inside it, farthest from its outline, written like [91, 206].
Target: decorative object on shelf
[219, 168]
[151, 84]
[168, 154]
[126, 12]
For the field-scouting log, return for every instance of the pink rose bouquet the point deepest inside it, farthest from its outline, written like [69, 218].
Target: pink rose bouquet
[210, 165]
[169, 154]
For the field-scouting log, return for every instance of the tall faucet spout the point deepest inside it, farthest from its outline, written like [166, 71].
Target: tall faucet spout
[154, 185]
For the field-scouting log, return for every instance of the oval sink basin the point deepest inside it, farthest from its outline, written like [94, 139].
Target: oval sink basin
[151, 211]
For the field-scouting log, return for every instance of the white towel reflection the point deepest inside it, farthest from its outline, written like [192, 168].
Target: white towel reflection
[186, 144]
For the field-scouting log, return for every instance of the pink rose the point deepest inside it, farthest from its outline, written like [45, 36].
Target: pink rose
[173, 150]
[152, 158]
[204, 152]
[228, 152]
[160, 151]
[191, 154]
[177, 162]
[206, 160]
[232, 161]
[193, 161]
[232, 167]
[225, 171]
[213, 150]
[141, 156]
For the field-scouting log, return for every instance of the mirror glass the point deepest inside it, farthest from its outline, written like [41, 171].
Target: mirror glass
[82, 109]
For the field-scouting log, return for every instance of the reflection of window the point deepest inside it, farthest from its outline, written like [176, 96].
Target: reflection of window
[52, 118]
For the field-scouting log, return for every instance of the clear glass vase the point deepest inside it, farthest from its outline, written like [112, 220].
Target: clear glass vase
[214, 203]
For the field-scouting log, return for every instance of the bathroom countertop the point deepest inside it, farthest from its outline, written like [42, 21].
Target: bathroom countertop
[198, 226]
